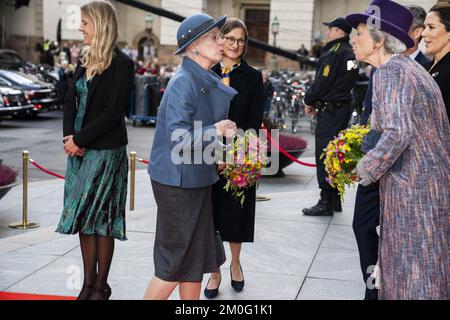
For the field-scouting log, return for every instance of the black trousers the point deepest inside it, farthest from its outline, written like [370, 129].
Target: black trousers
[365, 221]
[329, 123]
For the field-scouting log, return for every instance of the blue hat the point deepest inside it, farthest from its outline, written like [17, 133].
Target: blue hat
[391, 17]
[341, 24]
[194, 27]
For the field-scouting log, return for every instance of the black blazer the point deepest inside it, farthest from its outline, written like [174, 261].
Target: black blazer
[108, 98]
[423, 60]
[441, 74]
[246, 109]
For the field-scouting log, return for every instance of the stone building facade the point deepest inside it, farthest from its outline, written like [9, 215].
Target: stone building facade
[300, 23]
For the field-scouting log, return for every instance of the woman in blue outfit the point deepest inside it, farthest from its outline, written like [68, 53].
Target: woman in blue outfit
[95, 140]
[182, 168]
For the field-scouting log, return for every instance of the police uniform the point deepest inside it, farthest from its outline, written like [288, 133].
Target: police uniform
[331, 97]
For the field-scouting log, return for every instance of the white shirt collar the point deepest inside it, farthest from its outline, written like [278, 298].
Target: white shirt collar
[415, 54]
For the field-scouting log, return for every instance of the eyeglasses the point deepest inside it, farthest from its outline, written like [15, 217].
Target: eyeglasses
[231, 41]
[213, 36]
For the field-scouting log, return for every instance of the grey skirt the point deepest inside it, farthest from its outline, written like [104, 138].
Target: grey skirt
[186, 244]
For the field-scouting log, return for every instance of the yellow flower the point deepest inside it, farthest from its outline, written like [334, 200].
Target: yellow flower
[336, 165]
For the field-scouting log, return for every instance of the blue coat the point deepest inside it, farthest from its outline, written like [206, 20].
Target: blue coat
[193, 94]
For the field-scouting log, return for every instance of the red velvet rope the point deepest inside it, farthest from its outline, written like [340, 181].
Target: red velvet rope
[276, 145]
[143, 161]
[287, 154]
[45, 170]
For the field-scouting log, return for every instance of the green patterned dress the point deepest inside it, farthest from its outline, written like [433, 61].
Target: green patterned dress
[95, 190]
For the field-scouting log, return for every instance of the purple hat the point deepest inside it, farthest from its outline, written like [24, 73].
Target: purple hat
[387, 16]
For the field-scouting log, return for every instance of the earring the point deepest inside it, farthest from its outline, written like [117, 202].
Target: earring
[196, 52]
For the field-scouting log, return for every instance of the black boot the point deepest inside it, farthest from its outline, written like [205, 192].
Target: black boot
[323, 207]
[336, 201]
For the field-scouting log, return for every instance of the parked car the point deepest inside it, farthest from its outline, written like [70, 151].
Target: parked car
[11, 60]
[13, 103]
[42, 95]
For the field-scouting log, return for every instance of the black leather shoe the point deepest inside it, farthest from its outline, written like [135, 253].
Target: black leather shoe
[318, 210]
[237, 285]
[211, 293]
[323, 207]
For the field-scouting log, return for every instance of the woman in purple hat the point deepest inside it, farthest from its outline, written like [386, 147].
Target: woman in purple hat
[410, 158]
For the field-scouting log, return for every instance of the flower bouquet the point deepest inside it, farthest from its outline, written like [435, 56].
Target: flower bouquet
[246, 156]
[341, 156]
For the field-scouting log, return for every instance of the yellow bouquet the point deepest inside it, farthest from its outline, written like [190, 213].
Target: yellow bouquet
[341, 156]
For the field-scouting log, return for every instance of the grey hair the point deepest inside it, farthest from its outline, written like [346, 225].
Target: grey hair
[419, 14]
[392, 45]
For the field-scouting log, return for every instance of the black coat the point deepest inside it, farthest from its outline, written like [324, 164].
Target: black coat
[236, 223]
[441, 74]
[423, 60]
[108, 98]
[336, 73]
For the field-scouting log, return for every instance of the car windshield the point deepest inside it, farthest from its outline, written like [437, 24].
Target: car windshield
[16, 77]
[6, 56]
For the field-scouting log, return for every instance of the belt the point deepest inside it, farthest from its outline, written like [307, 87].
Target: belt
[323, 105]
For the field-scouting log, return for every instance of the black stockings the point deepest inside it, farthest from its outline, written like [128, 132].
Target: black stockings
[97, 255]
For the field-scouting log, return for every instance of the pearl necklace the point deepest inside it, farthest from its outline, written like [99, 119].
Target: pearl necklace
[392, 56]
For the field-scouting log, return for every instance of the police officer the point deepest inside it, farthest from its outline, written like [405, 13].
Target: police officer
[330, 99]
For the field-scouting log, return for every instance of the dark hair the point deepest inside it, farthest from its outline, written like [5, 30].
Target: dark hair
[442, 9]
[235, 23]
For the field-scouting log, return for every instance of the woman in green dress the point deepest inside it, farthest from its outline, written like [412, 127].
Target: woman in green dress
[95, 140]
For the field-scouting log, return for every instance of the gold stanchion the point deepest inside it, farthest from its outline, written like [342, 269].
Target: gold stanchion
[132, 178]
[261, 198]
[25, 224]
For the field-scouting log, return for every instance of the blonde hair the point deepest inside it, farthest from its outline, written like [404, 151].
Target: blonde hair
[99, 54]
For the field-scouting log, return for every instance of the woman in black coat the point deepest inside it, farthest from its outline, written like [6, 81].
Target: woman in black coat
[436, 36]
[236, 223]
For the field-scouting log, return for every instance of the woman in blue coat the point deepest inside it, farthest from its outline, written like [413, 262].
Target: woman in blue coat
[182, 166]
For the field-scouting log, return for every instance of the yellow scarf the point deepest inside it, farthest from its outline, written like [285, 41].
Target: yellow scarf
[226, 73]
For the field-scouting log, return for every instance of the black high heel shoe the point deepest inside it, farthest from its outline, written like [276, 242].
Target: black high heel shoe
[211, 293]
[102, 294]
[237, 285]
[86, 292]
